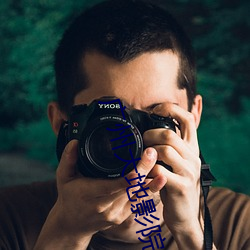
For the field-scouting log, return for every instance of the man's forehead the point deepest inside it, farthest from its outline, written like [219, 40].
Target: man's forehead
[143, 83]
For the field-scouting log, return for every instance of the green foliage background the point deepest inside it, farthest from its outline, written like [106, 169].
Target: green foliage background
[30, 31]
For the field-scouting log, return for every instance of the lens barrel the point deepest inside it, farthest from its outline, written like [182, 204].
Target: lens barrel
[109, 147]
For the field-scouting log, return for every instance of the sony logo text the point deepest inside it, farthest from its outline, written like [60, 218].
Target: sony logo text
[109, 106]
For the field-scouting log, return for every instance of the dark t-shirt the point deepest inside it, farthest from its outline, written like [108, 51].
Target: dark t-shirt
[23, 210]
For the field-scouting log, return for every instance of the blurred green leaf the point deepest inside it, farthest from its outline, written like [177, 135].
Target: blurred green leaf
[220, 30]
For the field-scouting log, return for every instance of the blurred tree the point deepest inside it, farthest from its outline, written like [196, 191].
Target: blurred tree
[223, 52]
[29, 33]
[219, 29]
[220, 33]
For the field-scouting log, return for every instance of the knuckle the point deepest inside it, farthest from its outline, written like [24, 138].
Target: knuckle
[192, 175]
[99, 209]
[108, 216]
[185, 187]
[197, 162]
[118, 220]
[167, 135]
[167, 150]
[111, 218]
[192, 178]
[189, 118]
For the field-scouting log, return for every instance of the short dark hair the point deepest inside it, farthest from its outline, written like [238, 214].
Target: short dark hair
[122, 30]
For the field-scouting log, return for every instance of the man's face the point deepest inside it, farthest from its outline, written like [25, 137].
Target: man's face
[141, 83]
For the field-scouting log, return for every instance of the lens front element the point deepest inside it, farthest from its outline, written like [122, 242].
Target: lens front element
[109, 144]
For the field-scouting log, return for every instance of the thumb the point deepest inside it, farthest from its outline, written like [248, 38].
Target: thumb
[66, 170]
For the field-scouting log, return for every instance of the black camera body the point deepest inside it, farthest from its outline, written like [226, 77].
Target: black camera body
[109, 135]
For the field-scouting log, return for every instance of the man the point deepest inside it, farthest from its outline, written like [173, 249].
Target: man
[138, 53]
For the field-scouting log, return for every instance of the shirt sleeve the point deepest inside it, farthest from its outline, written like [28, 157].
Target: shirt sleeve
[23, 210]
[230, 214]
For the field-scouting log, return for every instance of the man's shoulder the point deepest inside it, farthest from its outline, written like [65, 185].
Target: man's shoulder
[230, 212]
[219, 196]
[27, 200]
[38, 192]
[23, 210]
[226, 203]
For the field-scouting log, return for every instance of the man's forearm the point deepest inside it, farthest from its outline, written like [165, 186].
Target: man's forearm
[191, 237]
[53, 236]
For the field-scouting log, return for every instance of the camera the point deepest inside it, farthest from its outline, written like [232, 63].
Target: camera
[109, 135]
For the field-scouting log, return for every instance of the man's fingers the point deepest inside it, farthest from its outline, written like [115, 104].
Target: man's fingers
[185, 119]
[67, 167]
[99, 188]
[157, 183]
[166, 137]
[118, 187]
[145, 165]
[147, 161]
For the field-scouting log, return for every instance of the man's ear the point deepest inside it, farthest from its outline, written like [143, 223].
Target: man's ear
[197, 109]
[56, 116]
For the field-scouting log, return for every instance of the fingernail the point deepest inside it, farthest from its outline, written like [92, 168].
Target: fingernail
[151, 153]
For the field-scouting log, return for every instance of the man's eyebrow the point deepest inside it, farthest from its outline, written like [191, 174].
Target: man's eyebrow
[148, 108]
[152, 106]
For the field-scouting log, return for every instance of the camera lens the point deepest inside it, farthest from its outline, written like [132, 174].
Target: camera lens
[109, 147]
[102, 146]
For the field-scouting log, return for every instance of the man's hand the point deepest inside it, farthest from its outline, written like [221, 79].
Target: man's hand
[86, 205]
[181, 195]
